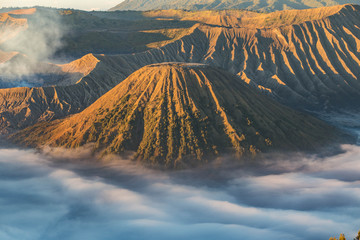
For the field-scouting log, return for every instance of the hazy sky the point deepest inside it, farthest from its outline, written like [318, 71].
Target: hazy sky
[77, 4]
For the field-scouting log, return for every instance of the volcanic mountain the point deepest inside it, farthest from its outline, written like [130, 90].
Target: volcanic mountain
[74, 87]
[173, 113]
[306, 59]
[267, 5]
[10, 25]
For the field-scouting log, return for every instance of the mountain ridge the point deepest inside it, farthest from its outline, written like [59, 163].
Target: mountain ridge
[309, 66]
[25, 106]
[270, 6]
[296, 60]
[11, 26]
[173, 112]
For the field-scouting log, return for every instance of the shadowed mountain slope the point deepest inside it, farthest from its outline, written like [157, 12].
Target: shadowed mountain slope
[116, 33]
[267, 5]
[308, 64]
[20, 70]
[172, 113]
[307, 59]
[24, 106]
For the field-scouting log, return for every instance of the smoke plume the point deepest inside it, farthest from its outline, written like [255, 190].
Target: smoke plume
[35, 47]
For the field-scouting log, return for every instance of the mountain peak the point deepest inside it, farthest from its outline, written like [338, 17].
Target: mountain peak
[177, 114]
[83, 65]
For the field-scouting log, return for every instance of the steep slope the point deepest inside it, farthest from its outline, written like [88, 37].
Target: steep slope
[6, 56]
[84, 65]
[115, 33]
[172, 113]
[246, 19]
[267, 5]
[307, 59]
[124, 32]
[19, 70]
[11, 26]
[24, 106]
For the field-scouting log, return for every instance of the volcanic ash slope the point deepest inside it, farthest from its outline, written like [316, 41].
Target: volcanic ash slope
[177, 114]
[265, 5]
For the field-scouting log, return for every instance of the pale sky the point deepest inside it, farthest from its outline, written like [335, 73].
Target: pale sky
[77, 4]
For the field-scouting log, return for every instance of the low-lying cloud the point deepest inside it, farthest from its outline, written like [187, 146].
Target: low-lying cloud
[46, 196]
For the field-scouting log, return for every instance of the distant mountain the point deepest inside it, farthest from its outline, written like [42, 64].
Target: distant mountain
[11, 26]
[306, 59]
[267, 5]
[23, 106]
[173, 113]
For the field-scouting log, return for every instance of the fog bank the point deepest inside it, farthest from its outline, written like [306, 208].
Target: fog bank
[308, 198]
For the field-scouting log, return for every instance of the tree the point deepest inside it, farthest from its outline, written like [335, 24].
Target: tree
[342, 237]
[358, 236]
[332, 238]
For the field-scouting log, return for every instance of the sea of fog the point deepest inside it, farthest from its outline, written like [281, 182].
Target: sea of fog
[59, 194]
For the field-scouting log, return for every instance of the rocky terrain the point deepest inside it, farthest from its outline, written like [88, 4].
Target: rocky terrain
[10, 25]
[305, 59]
[267, 5]
[172, 113]
[24, 106]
